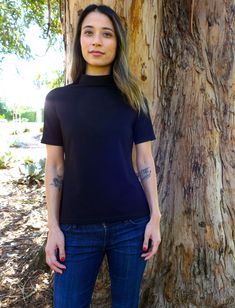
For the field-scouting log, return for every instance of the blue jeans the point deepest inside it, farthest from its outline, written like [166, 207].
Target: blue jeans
[85, 247]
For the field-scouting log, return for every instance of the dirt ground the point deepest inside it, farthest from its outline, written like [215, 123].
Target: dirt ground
[25, 280]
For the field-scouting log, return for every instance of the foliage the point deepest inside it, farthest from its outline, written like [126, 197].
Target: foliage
[58, 81]
[5, 160]
[44, 80]
[5, 112]
[15, 144]
[26, 130]
[30, 115]
[32, 172]
[24, 120]
[3, 106]
[16, 16]
[15, 132]
[9, 115]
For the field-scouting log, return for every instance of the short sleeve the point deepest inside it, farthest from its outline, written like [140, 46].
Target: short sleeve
[143, 128]
[52, 129]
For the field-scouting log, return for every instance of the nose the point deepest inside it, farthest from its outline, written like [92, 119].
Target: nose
[96, 40]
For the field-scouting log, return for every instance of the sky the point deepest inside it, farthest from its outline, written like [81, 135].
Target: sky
[17, 76]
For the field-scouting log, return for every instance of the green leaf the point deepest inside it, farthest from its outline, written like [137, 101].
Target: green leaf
[16, 16]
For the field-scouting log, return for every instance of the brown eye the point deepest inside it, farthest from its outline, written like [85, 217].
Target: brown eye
[107, 34]
[88, 32]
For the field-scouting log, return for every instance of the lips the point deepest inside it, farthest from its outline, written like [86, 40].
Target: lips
[96, 53]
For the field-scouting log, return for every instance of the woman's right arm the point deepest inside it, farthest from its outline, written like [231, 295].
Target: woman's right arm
[54, 172]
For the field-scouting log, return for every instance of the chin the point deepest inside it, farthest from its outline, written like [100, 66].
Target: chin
[98, 63]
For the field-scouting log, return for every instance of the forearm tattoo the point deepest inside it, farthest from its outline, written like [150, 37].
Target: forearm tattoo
[58, 182]
[144, 173]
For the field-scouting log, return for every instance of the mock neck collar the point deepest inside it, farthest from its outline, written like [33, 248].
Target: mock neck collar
[96, 80]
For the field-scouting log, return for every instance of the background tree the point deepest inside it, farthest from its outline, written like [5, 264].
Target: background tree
[183, 52]
[5, 112]
[16, 16]
[57, 80]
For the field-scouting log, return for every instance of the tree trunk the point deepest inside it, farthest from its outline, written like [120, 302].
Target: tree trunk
[183, 53]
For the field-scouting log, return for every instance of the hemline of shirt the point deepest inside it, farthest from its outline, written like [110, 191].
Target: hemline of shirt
[140, 140]
[44, 141]
[103, 220]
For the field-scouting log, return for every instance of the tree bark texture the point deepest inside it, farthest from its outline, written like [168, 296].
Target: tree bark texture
[195, 156]
[182, 51]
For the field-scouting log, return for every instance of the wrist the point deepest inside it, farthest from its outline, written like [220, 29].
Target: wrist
[155, 216]
[53, 226]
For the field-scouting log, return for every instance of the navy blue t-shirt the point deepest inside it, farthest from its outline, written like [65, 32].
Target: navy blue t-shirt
[96, 127]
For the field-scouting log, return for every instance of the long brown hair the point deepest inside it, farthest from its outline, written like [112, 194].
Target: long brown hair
[124, 79]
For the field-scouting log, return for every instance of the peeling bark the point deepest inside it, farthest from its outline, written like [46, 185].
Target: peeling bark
[195, 156]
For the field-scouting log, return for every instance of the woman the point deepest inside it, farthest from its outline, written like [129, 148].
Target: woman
[96, 203]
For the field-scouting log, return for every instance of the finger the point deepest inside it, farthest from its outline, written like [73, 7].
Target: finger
[152, 251]
[61, 252]
[56, 269]
[51, 261]
[146, 241]
[146, 254]
[58, 264]
[147, 248]
[151, 254]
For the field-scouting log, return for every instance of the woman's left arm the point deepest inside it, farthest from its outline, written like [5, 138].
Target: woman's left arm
[147, 176]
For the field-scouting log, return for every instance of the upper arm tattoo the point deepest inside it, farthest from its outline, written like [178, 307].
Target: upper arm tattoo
[144, 173]
[58, 182]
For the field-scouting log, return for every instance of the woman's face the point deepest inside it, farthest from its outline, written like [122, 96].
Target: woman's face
[98, 43]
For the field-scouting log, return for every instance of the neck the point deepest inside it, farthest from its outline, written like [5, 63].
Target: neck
[96, 80]
[96, 71]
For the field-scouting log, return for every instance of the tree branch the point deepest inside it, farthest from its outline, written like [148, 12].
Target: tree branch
[49, 16]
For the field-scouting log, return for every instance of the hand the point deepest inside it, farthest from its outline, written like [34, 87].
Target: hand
[55, 240]
[152, 232]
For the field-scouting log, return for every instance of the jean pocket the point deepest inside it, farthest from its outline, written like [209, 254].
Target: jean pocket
[139, 220]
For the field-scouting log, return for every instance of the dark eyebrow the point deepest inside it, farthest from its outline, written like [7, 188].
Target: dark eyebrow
[105, 28]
